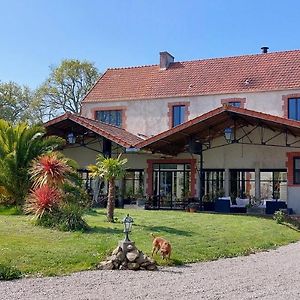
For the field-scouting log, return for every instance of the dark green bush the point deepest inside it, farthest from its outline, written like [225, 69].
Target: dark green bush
[48, 219]
[68, 215]
[71, 218]
[77, 196]
[9, 272]
[64, 219]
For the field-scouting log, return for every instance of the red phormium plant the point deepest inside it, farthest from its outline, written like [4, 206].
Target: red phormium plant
[42, 199]
[49, 169]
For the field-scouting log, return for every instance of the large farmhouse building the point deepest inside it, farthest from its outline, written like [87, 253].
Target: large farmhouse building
[205, 128]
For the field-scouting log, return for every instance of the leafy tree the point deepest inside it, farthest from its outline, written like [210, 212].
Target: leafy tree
[19, 145]
[66, 86]
[18, 103]
[110, 169]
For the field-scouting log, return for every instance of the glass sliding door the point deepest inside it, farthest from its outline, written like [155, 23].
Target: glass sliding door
[273, 184]
[242, 183]
[213, 183]
[171, 184]
[133, 185]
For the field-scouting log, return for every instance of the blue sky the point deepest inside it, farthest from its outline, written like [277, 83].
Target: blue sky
[115, 33]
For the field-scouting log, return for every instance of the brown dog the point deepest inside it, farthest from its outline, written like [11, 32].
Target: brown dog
[162, 245]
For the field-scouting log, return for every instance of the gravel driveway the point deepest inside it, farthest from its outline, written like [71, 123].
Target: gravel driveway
[266, 275]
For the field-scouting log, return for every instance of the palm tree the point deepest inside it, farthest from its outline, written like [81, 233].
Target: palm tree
[19, 145]
[110, 169]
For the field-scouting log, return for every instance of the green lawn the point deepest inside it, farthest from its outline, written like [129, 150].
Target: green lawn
[194, 237]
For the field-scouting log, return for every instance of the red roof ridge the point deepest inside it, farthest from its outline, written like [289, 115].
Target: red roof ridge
[235, 56]
[202, 59]
[132, 67]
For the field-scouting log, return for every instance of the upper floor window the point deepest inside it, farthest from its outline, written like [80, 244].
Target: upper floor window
[235, 103]
[112, 117]
[294, 108]
[178, 115]
[296, 170]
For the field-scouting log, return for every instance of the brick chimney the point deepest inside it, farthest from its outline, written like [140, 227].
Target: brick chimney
[165, 59]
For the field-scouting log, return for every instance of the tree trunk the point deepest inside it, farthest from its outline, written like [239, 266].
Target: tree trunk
[111, 200]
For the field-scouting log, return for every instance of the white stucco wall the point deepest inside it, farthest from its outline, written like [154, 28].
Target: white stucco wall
[150, 117]
[294, 199]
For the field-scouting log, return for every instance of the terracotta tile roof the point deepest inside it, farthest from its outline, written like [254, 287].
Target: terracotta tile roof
[113, 133]
[263, 72]
[219, 118]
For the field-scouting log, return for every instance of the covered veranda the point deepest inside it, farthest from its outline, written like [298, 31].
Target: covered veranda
[85, 139]
[239, 153]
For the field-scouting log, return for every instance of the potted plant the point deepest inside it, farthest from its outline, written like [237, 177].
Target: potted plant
[208, 202]
[139, 196]
[192, 207]
[129, 196]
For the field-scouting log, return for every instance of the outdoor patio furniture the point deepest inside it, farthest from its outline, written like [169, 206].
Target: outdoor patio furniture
[222, 205]
[240, 206]
[274, 205]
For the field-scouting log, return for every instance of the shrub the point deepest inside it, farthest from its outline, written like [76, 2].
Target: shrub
[67, 215]
[71, 218]
[66, 218]
[9, 272]
[41, 200]
[74, 194]
[279, 216]
[282, 217]
[57, 199]
[52, 169]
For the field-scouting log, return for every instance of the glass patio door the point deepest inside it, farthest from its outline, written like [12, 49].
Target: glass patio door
[171, 184]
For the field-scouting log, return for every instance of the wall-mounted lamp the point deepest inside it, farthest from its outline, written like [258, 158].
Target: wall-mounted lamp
[229, 136]
[71, 138]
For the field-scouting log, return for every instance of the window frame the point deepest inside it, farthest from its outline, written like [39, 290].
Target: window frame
[215, 185]
[160, 170]
[170, 112]
[297, 108]
[110, 111]
[241, 182]
[295, 170]
[232, 103]
[273, 181]
[138, 184]
[227, 101]
[181, 115]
